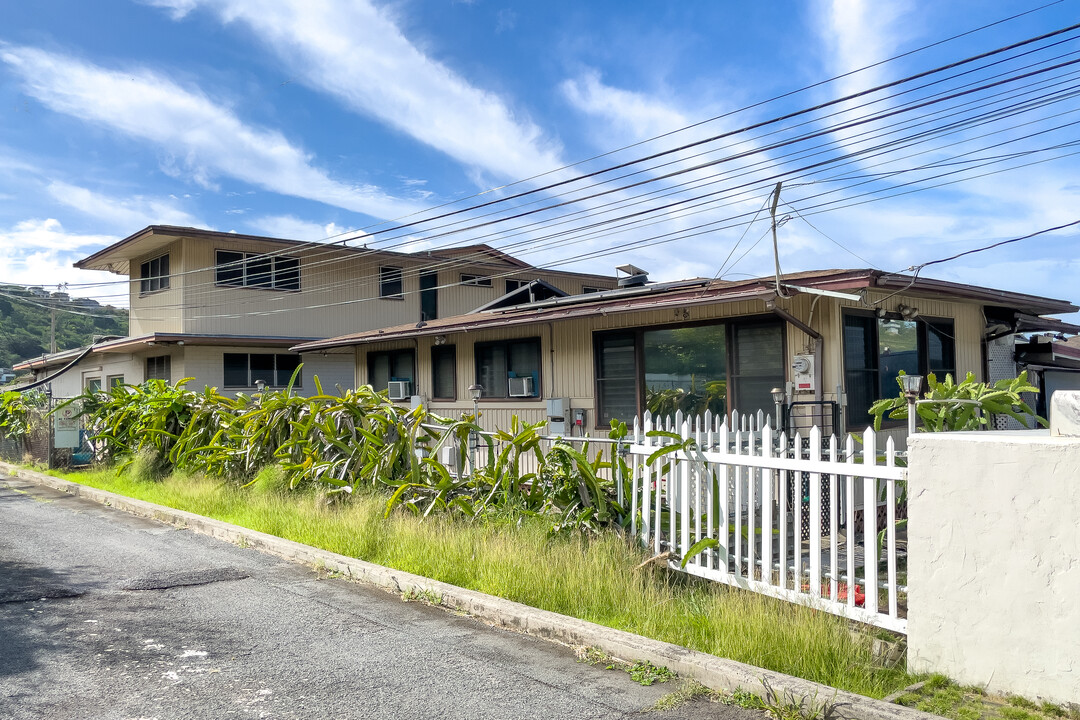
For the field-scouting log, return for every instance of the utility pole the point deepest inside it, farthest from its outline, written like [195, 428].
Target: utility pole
[775, 244]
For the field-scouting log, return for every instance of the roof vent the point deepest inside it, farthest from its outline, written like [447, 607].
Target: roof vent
[635, 276]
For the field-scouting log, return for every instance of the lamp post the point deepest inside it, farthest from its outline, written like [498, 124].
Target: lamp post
[778, 399]
[912, 385]
[476, 390]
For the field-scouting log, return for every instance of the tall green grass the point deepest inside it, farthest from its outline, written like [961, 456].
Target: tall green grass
[515, 558]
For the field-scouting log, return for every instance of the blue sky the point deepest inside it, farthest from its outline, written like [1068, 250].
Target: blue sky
[310, 118]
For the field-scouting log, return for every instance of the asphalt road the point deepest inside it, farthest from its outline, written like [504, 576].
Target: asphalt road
[106, 615]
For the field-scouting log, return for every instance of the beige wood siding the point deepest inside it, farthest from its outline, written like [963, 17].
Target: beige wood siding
[160, 311]
[339, 293]
[567, 349]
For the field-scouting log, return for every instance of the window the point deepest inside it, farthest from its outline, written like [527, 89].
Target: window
[93, 384]
[691, 368]
[444, 372]
[243, 370]
[477, 280]
[512, 285]
[497, 362]
[154, 275]
[159, 368]
[390, 282]
[429, 295]
[877, 349]
[585, 290]
[391, 365]
[114, 381]
[255, 270]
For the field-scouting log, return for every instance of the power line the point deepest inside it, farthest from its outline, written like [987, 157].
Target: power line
[767, 122]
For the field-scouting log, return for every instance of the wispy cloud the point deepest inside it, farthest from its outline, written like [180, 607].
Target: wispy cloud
[123, 214]
[205, 138]
[294, 228]
[356, 52]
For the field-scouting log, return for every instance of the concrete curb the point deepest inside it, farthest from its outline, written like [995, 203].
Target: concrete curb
[713, 672]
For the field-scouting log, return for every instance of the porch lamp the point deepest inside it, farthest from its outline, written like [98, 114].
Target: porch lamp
[912, 385]
[778, 399]
[476, 390]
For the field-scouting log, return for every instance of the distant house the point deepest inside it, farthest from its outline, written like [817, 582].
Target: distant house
[224, 308]
[833, 340]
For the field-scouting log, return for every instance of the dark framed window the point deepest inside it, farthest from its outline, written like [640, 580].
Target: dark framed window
[876, 349]
[244, 370]
[477, 280]
[257, 270]
[159, 368]
[512, 285]
[154, 275]
[388, 365]
[114, 381]
[690, 368]
[429, 295]
[585, 290]
[444, 372]
[391, 284]
[497, 363]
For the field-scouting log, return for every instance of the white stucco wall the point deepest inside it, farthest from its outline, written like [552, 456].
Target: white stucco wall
[994, 560]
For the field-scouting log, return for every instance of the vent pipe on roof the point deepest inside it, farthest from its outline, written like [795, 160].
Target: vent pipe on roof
[635, 276]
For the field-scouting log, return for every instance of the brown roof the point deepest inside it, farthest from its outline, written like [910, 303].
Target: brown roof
[696, 292]
[127, 344]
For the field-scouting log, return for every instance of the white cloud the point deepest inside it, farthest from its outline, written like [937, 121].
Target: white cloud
[294, 228]
[41, 252]
[124, 214]
[206, 139]
[356, 52]
[634, 115]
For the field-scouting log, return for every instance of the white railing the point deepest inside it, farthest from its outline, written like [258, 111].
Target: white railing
[807, 519]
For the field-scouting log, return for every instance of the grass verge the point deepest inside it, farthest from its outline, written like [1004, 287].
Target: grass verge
[512, 557]
[941, 696]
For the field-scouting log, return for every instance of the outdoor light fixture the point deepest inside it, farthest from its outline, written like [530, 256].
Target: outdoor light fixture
[260, 385]
[907, 312]
[475, 391]
[778, 399]
[912, 385]
[440, 339]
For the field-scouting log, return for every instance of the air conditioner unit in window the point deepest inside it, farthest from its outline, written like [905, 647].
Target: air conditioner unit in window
[400, 389]
[521, 386]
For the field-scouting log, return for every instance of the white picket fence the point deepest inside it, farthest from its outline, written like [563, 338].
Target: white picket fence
[793, 518]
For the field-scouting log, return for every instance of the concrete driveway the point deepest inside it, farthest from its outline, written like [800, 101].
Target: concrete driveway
[106, 615]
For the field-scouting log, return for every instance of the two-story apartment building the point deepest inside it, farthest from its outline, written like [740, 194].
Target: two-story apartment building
[224, 308]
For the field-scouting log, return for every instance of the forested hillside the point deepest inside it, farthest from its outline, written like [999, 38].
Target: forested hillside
[24, 326]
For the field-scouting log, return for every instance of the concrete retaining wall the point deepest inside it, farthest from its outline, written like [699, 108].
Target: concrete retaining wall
[994, 560]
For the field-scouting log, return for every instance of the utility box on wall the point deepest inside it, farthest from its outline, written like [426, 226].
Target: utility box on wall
[557, 411]
[803, 374]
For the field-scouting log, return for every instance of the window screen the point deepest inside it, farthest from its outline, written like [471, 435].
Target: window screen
[496, 362]
[159, 368]
[444, 372]
[390, 365]
[154, 275]
[616, 377]
[390, 283]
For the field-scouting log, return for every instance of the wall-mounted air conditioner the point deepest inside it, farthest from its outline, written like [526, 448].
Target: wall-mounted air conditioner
[521, 386]
[400, 389]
